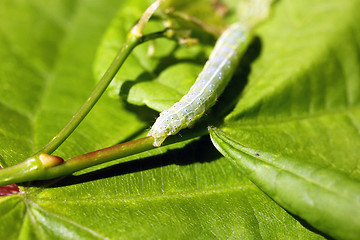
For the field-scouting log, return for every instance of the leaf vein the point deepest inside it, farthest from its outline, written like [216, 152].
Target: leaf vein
[94, 233]
[148, 198]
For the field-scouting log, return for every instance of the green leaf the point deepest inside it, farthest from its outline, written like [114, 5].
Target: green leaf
[167, 197]
[167, 89]
[46, 73]
[295, 130]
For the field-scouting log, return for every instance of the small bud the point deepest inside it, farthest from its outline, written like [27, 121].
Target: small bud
[50, 160]
[188, 42]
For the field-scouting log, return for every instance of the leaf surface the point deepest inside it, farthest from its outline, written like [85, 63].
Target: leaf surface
[167, 197]
[295, 130]
[192, 192]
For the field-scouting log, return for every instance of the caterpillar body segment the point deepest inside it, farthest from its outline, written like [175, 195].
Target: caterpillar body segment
[210, 83]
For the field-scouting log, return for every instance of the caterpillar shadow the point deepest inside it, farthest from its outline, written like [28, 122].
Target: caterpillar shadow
[232, 92]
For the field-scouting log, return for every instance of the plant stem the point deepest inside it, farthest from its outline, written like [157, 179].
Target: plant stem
[43, 166]
[33, 169]
[137, 30]
[97, 157]
[206, 27]
[130, 44]
[134, 38]
[21, 172]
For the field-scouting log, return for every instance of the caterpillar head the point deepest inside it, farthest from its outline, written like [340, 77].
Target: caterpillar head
[167, 124]
[159, 131]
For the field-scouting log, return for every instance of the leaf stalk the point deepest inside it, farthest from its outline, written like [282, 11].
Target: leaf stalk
[35, 169]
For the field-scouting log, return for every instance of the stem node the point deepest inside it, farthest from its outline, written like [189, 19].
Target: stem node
[50, 160]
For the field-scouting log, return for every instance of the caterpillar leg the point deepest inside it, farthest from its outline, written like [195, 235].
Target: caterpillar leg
[158, 141]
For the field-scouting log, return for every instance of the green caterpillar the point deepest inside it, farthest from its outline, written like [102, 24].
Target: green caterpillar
[210, 83]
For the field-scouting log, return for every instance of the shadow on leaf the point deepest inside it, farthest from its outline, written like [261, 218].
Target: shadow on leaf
[199, 151]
